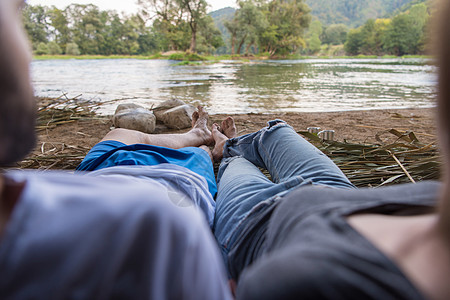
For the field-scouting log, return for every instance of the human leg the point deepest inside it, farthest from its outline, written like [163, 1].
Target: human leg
[197, 136]
[242, 187]
[220, 135]
[285, 154]
[129, 147]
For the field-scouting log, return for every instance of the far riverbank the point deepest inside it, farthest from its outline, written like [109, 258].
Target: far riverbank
[213, 58]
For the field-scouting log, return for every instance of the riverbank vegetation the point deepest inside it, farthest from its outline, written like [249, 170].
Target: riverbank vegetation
[255, 30]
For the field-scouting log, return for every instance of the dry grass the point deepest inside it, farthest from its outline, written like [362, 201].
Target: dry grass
[405, 160]
[53, 113]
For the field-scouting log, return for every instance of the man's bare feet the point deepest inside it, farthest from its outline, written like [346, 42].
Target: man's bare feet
[221, 135]
[200, 125]
[229, 128]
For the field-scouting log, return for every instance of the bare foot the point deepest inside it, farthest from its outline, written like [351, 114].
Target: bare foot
[229, 128]
[229, 131]
[200, 125]
[194, 118]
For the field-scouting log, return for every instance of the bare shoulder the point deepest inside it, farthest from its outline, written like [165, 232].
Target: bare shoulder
[414, 244]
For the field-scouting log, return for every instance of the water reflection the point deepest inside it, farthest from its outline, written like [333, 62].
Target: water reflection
[230, 87]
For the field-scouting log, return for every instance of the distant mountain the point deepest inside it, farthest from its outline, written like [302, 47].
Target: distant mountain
[220, 17]
[354, 12]
[407, 6]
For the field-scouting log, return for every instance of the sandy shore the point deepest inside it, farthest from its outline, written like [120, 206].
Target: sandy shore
[351, 126]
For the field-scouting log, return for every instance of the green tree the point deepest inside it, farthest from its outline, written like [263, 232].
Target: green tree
[88, 24]
[124, 35]
[36, 24]
[210, 37]
[354, 41]
[167, 21]
[336, 34]
[287, 21]
[41, 49]
[72, 49]
[369, 43]
[314, 43]
[315, 31]
[315, 28]
[399, 39]
[406, 34]
[420, 19]
[250, 22]
[53, 48]
[235, 30]
[147, 39]
[195, 17]
[381, 26]
[174, 19]
[59, 27]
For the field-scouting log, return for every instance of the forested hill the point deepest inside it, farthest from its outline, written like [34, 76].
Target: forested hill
[354, 13]
[221, 16]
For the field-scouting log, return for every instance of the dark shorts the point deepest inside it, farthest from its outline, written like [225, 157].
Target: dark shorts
[113, 153]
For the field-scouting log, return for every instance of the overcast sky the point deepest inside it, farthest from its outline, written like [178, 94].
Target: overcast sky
[128, 6]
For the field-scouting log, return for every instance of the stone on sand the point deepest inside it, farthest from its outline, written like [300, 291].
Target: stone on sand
[134, 117]
[179, 117]
[165, 106]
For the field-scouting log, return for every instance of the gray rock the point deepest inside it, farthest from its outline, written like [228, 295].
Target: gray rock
[165, 106]
[134, 117]
[121, 107]
[179, 117]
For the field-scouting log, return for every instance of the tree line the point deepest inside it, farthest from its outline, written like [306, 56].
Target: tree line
[280, 28]
[87, 30]
[274, 28]
[405, 33]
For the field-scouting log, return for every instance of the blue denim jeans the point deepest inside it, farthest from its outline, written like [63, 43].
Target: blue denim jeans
[243, 188]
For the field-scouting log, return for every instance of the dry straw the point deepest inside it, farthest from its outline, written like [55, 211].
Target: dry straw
[56, 112]
[374, 165]
[404, 160]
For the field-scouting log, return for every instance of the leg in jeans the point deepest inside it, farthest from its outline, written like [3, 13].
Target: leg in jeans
[290, 160]
[285, 154]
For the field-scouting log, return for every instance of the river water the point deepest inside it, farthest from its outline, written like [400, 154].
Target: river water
[313, 85]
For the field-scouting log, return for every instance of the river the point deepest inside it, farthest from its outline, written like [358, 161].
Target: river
[312, 85]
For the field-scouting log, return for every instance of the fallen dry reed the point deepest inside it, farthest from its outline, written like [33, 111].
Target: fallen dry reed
[56, 112]
[404, 160]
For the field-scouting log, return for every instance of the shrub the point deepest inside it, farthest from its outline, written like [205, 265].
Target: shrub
[53, 48]
[72, 49]
[42, 49]
[193, 57]
[177, 56]
[188, 56]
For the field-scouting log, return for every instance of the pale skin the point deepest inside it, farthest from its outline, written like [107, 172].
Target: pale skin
[199, 136]
[221, 134]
